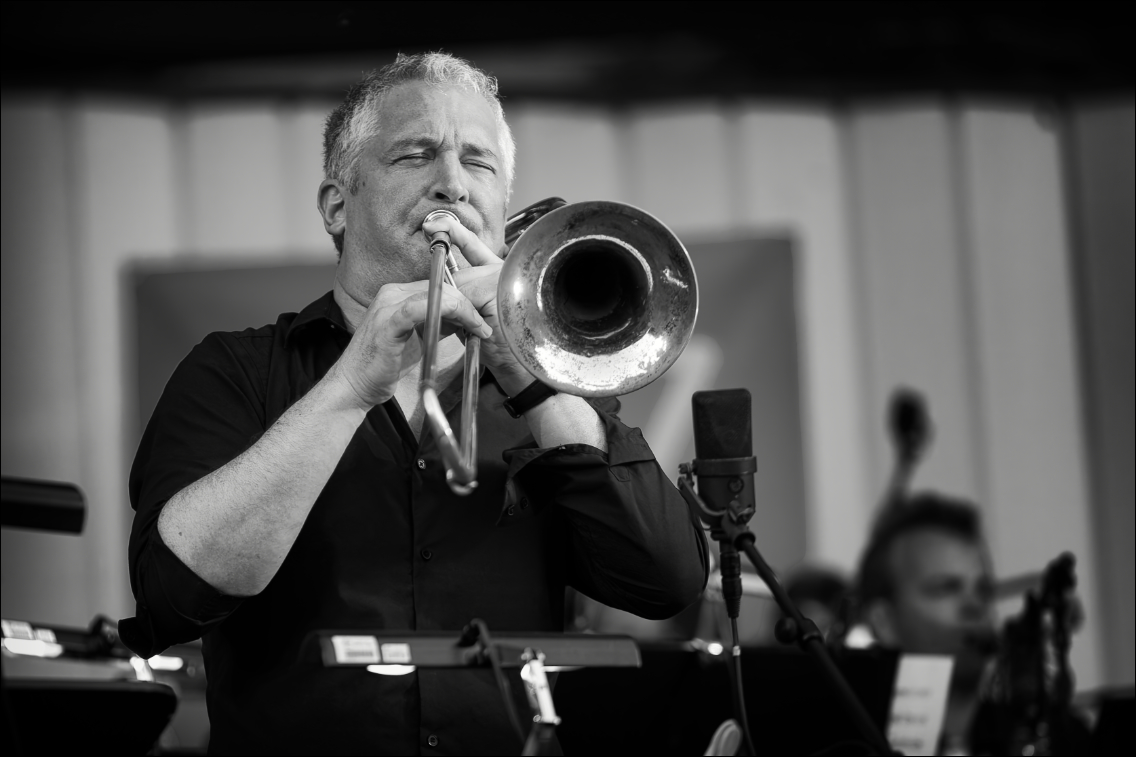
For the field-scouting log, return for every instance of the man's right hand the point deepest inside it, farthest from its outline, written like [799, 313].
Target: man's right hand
[385, 344]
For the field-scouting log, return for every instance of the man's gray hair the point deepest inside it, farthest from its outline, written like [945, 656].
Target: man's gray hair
[356, 119]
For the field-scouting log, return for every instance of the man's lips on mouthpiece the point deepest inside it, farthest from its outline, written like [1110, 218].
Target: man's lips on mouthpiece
[469, 224]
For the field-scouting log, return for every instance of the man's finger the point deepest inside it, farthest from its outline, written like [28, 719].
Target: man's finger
[455, 308]
[472, 248]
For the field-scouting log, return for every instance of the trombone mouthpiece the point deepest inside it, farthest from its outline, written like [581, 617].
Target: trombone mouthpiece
[442, 239]
[443, 235]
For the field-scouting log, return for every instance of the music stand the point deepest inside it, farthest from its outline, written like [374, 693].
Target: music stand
[535, 653]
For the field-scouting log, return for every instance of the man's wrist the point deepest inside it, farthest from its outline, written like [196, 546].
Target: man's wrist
[341, 393]
[514, 382]
[531, 396]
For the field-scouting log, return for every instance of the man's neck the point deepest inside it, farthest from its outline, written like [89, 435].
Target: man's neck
[353, 310]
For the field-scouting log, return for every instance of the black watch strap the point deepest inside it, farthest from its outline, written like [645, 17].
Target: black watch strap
[529, 397]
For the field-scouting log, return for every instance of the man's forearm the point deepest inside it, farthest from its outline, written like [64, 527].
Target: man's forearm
[235, 526]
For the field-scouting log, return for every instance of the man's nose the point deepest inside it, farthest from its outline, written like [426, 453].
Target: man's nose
[449, 184]
[974, 608]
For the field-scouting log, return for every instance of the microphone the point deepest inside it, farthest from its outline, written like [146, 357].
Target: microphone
[724, 465]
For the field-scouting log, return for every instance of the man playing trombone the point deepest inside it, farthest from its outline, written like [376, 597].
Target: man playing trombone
[286, 481]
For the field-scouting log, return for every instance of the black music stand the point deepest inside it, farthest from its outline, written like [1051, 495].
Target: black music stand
[534, 653]
[675, 702]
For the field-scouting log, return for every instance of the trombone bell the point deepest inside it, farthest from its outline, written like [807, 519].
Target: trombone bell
[597, 298]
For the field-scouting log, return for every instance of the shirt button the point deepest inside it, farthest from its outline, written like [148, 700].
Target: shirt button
[524, 502]
[511, 510]
[433, 740]
[426, 555]
[421, 464]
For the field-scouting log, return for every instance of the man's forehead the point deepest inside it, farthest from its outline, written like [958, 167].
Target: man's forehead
[418, 109]
[925, 552]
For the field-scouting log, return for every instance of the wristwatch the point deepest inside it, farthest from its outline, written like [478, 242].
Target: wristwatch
[529, 397]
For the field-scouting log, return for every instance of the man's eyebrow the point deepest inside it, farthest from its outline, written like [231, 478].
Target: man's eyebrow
[419, 142]
[477, 150]
[407, 143]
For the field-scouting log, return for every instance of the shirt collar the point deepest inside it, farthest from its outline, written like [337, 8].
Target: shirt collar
[325, 310]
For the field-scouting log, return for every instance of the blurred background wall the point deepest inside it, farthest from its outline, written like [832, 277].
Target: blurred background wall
[977, 248]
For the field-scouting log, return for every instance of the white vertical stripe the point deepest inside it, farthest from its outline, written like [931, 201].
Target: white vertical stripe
[301, 161]
[125, 209]
[1033, 422]
[680, 167]
[790, 175]
[913, 292]
[39, 393]
[236, 180]
[565, 151]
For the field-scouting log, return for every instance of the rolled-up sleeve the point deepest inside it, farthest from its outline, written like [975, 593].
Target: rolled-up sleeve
[210, 412]
[634, 544]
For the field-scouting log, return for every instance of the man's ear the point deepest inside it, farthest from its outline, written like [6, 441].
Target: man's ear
[332, 206]
[880, 615]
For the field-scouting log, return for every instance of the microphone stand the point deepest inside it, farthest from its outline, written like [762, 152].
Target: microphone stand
[730, 567]
[796, 628]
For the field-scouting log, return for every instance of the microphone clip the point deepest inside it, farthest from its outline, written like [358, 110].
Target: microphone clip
[740, 506]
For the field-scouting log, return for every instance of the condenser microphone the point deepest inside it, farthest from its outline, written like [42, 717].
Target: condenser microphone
[724, 465]
[723, 451]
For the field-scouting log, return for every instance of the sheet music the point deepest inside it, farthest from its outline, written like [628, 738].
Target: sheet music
[919, 703]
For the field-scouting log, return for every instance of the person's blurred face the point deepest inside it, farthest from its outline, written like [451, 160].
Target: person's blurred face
[943, 600]
[436, 147]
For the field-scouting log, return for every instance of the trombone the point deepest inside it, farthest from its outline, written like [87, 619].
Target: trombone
[595, 299]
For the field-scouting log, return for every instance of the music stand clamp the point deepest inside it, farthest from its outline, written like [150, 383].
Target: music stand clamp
[545, 719]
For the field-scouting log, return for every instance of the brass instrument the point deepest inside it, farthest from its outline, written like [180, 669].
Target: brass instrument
[595, 299]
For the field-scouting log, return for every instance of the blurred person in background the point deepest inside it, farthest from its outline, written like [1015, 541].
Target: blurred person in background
[925, 586]
[284, 483]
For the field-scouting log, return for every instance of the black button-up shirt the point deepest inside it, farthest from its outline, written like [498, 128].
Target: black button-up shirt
[388, 546]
